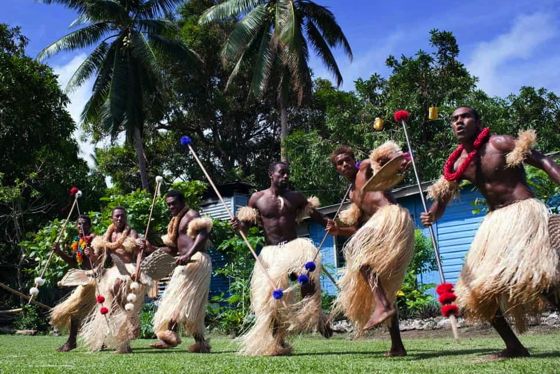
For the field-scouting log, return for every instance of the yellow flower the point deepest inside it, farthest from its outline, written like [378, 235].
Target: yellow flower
[400, 293]
[74, 246]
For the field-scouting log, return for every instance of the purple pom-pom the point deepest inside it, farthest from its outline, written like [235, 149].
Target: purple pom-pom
[310, 266]
[302, 279]
[277, 294]
[185, 140]
[357, 164]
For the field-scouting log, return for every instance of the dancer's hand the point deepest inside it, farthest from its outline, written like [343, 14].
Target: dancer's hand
[182, 260]
[427, 219]
[235, 223]
[332, 227]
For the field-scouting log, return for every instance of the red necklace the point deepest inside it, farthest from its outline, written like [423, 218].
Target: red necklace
[448, 172]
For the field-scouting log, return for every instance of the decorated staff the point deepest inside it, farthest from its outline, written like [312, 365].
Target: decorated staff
[39, 281]
[310, 266]
[278, 293]
[445, 290]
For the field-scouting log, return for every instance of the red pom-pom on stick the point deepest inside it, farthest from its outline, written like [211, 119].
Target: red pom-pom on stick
[447, 298]
[100, 299]
[444, 288]
[73, 191]
[401, 115]
[449, 309]
[104, 310]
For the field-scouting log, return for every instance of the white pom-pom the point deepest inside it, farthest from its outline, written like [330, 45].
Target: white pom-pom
[129, 307]
[135, 286]
[79, 194]
[131, 298]
[39, 281]
[159, 179]
[34, 291]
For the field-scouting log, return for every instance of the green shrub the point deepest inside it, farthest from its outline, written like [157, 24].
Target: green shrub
[31, 318]
[146, 321]
[412, 299]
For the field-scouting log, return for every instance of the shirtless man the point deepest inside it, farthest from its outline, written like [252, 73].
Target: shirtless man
[380, 249]
[277, 209]
[122, 243]
[70, 313]
[184, 301]
[510, 262]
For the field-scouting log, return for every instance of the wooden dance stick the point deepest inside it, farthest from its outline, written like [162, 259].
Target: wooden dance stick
[452, 318]
[141, 253]
[58, 238]
[188, 143]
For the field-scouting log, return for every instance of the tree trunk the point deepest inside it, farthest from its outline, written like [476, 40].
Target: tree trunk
[283, 128]
[142, 161]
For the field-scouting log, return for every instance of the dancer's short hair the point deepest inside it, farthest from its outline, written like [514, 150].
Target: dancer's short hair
[343, 149]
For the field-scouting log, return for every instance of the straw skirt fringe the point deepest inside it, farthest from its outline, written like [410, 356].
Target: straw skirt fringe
[186, 297]
[118, 327]
[76, 306]
[275, 319]
[509, 265]
[385, 244]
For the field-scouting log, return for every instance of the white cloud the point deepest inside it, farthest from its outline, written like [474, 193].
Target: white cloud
[508, 61]
[78, 99]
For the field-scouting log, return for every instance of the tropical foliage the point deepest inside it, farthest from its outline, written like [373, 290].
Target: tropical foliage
[130, 41]
[280, 32]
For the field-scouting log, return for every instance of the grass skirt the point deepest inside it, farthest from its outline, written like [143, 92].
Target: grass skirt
[186, 296]
[275, 319]
[118, 327]
[76, 306]
[509, 265]
[385, 244]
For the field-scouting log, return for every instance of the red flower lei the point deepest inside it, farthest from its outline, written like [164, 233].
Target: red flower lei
[448, 172]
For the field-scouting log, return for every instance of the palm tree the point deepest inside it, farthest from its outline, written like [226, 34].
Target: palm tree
[274, 30]
[131, 43]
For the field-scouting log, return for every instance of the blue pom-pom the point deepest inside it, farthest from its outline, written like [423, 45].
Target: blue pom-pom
[277, 294]
[185, 140]
[310, 266]
[302, 279]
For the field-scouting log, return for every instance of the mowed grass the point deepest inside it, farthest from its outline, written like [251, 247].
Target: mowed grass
[437, 353]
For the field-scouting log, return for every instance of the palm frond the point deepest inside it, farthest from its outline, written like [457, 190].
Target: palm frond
[227, 9]
[295, 57]
[323, 51]
[77, 39]
[119, 88]
[93, 108]
[175, 51]
[91, 64]
[156, 26]
[264, 63]
[109, 11]
[157, 8]
[325, 21]
[78, 5]
[244, 34]
[285, 21]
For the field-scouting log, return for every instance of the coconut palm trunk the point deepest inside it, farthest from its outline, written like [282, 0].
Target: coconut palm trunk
[142, 160]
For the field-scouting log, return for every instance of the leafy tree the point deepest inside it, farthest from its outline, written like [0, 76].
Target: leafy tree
[38, 156]
[131, 42]
[279, 32]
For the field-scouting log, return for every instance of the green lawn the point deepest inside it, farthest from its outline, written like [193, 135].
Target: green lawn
[428, 354]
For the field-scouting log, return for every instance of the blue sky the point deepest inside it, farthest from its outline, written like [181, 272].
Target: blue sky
[506, 44]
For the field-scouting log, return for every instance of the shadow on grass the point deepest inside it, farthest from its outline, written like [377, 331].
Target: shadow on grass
[426, 355]
[175, 350]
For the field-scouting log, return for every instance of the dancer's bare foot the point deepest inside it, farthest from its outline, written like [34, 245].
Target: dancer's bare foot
[170, 338]
[510, 353]
[325, 329]
[200, 347]
[393, 352]
[160, 344]
[379, 316]
[67, 347]
[124, 349]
